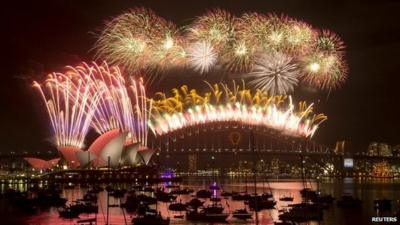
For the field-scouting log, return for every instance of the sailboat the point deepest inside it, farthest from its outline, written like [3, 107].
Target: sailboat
[241, 196]
[306, 210]
[264, 201]
[150, 217]
[286, 198]
[258, 202]
[242, 214]
[213, 212]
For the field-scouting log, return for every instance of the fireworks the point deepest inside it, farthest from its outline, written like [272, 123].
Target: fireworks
[140, 113]
[252, 29]
[324, 71]
[274, 54]
[237, 104]
[116, 108]
[275, 33]
[97, 96]
[202, 56]
[114, 103]
[168, 52]
[329, 42]
[216, 27]
[70, 106]
[140, 40]
[240, 57]
[275, 74]
[285, 121]
[324, 67]
[300, 37]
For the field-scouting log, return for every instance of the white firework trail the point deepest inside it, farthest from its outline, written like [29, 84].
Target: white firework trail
[275, 73]
[202, 56]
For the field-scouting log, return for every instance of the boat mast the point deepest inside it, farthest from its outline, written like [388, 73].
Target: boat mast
[108, 193]
[251, 145]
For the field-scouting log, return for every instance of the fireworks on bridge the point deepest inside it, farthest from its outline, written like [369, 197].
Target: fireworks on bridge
[236, 104]
[297, 53]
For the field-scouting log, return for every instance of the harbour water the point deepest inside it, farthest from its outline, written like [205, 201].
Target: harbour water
[366, 189]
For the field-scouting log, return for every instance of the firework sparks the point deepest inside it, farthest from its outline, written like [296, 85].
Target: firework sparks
[140, 113]
[252, 28]
[223, 104]
[276, 33]
[202, 56]
[329, 42]
[141, 41]
[216, 27]
[98, 96]
[285, 121]
[114, 105]
[276, 74]
[168, 52]
[324, 71]
[299, 37]
[116, 108]
[70, 106]
[240, 57]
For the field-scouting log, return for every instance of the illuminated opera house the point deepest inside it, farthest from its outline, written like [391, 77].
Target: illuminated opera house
[110, 149]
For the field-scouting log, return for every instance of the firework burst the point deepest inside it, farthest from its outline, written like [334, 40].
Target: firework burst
[252, 28]
[329, 42]
[216, 27]
[276, 74]
[300, 37]
[202, 56]
[324, 71]
[132, 38]
[239, 57]
[168, 52]
[141, 41]
[324, 67]
[276, 33]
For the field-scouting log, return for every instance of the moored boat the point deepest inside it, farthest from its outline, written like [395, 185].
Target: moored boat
[242, 214]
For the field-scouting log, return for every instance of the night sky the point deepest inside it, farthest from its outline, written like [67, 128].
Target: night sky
[43, 36]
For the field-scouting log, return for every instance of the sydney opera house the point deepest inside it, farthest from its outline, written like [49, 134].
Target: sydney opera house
[111, 149]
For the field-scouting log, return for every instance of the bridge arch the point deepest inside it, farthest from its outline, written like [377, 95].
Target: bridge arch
[228, 137]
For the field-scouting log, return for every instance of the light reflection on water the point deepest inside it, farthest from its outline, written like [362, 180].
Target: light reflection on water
[367, 190]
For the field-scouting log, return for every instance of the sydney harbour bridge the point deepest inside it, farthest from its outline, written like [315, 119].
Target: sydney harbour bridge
[223, 144]
[227, 144]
